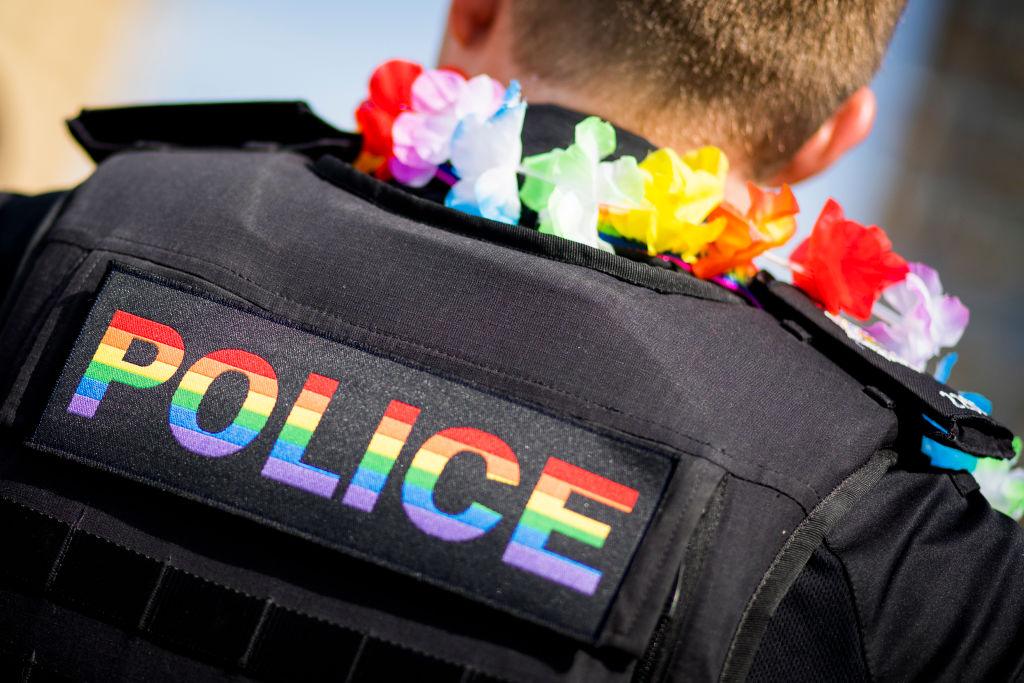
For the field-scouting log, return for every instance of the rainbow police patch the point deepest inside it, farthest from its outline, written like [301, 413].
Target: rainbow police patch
[504, 503]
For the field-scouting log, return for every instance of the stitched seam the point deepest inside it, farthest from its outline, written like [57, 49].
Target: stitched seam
[258, 633]
[471, 363]
[62, 552]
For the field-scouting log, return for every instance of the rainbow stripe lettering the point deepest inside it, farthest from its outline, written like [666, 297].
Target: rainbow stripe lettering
[385, 445]
[546, 512]
[285, 462]
[258, 404]
[108, 363]
[430, 461]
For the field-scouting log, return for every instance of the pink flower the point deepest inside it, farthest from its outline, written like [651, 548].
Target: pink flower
[423, 135]
[926, 320]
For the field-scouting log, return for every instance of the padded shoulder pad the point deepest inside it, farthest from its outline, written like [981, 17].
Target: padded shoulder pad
[964, 425]
[260, 125]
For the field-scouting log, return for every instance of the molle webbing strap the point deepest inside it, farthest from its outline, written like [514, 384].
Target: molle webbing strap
[197, 617]
[966, 426]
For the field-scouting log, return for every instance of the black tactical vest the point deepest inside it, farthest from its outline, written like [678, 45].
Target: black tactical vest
[264, 416]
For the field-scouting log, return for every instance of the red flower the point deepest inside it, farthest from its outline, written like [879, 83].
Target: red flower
[844, 266]
[390, 94]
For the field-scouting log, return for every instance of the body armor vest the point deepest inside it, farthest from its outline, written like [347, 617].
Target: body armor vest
[265, 416]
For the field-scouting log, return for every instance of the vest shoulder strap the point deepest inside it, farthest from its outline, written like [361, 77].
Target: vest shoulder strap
[920, 400]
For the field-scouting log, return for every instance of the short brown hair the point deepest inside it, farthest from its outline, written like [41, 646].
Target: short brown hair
[762, 75]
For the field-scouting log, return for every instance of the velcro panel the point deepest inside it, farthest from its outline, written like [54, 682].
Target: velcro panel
[472, 491]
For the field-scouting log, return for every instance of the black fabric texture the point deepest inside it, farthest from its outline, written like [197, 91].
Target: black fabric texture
[922, 581]
[130, 434]
[380, 661]
[665, 643]
[938, 581]
[99, 578]
[814, 635]
[327, 651]
[195, 614]
[32, 543]
[20, 217]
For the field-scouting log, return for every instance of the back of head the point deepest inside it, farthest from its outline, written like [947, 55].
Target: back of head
[756, 77]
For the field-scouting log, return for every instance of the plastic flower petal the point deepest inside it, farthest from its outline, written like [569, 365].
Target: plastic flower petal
[949, 315]
[390, 93]
[485, 156]
[436, 90]
[567, 187]
[421, 144]
[768, 223]
[844, 266]
[928, 319]
[596, 138]
[570, 217]
[909, 339]
[679, 193]
[1002, 484]
[422, 136]
[482, 96]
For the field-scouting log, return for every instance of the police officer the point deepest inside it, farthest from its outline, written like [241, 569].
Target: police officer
[265, 416]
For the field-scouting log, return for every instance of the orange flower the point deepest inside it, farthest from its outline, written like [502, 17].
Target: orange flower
[768, 223]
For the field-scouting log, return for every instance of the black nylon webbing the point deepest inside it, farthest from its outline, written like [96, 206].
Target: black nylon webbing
[189, 614]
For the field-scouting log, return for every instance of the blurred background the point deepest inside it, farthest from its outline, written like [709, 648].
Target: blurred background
[941, 172]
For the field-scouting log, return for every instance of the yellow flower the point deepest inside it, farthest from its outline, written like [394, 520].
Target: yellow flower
[679, 193]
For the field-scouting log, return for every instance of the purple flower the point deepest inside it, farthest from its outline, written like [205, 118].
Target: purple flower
[920, 319]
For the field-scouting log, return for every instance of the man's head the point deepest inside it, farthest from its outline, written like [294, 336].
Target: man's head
[779, 84]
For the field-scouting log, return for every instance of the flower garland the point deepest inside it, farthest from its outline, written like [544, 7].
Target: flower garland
[422, 125]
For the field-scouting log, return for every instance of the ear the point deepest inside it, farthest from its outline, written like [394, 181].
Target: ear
[843, 131]
[470, 21]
